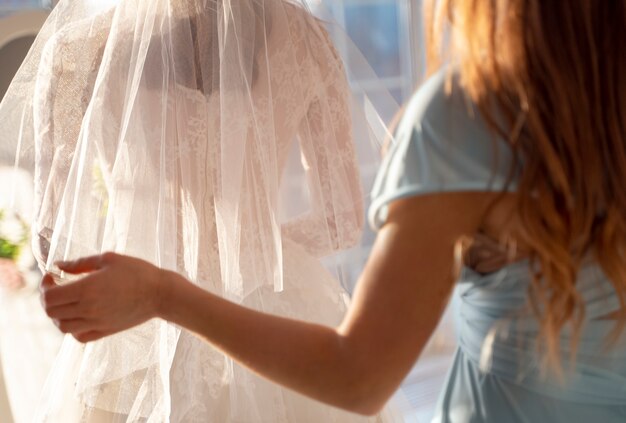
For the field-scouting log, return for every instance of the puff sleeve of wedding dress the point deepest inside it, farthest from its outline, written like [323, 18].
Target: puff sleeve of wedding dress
[336, 220]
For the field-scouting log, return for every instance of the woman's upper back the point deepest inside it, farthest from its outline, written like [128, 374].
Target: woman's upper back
[443, 145]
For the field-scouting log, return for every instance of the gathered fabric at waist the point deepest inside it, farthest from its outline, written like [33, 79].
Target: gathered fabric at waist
[499, 334]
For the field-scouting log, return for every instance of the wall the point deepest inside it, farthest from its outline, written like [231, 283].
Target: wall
[11, 56]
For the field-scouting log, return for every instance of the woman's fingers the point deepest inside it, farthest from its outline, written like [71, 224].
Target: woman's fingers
[62, 295]
[83, 291]
[47, 282]
[68, 311]
[74, 325]
[86, 264]
[90, 336]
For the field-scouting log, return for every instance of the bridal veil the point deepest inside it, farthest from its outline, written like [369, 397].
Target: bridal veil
[214, 138]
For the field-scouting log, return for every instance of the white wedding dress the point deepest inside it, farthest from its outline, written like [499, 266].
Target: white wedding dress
[159, 179]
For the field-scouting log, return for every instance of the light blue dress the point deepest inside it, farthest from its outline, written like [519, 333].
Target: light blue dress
[442, 145]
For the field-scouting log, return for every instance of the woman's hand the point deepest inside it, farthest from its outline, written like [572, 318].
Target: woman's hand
[116, 293]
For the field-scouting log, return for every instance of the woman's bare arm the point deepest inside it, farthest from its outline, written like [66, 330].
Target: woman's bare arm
[357, 366]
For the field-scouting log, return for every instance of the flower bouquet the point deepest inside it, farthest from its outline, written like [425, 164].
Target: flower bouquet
[13, 239]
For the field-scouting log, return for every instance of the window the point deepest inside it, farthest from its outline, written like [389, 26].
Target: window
[383, 30]
[11, 6]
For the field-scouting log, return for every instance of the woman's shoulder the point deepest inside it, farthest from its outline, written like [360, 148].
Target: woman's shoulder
[441, 118]
[442, 106]
[442, 144]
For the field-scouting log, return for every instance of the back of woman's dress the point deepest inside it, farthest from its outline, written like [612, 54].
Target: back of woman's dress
[443, 145]
[177, 147]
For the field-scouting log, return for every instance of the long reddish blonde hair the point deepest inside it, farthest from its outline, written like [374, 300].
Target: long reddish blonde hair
[556, 71]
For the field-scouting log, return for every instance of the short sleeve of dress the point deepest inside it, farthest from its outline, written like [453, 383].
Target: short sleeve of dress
[440, 145]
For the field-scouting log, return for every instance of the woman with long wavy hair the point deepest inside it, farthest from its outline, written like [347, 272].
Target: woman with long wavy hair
[505, 179]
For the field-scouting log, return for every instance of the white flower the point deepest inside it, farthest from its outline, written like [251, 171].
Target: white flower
[12, 229]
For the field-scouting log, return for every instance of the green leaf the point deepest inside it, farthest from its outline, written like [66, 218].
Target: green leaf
[8, 250]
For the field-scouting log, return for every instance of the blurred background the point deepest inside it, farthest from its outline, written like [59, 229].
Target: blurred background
[389, 35]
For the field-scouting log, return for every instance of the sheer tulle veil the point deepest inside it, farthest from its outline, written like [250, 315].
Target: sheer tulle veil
[215, 138]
